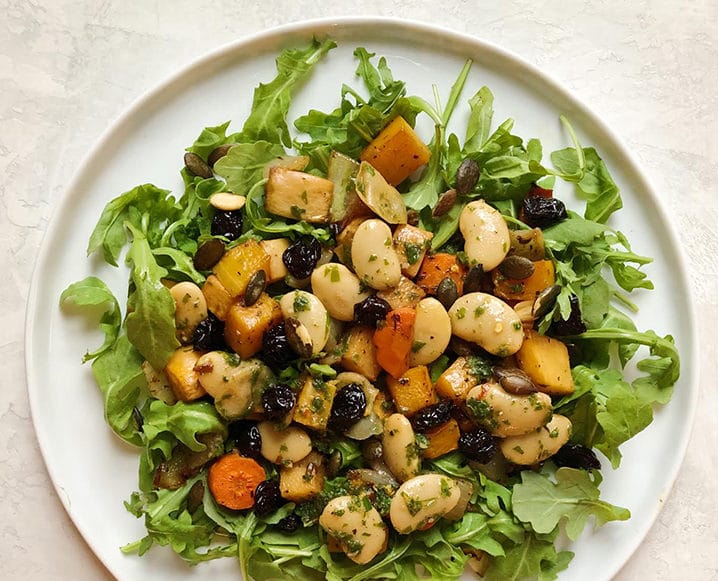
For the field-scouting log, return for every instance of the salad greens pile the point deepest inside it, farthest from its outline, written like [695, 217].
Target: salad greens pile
[515, 522]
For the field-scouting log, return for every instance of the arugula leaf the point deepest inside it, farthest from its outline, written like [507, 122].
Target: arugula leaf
[474, 530]
[210, 138]
[478, 128]
[573, 496]
[92, 292]
[532, 557]
[270, 105]
[119, 376]
[151, 325]
[244, 164]
[184, 420]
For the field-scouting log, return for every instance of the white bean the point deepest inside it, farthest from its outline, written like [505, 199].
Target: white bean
[373, 256]
[487, 239]
[432, 332]
[339, 289]
[284, 446]
[190, 309]
[538, 445]
[311, 313]
[487, 321]
[356, 525]
[400, 452]
[505, 414]
[421, 501]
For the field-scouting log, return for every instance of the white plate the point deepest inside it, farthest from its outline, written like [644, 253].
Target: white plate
[93, 472]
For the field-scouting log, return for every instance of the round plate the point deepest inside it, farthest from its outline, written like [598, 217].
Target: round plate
[93, 472]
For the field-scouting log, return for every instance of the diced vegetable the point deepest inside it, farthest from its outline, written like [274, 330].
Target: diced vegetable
[185, 463]
[359, 352]
[239, 264]
[298, 195]
[394, 340]
[411, 243]
[158, 385]
[314, 403]
[546, 362]
[436, 267]
[527, 243]
[245, 325]
[304, 479]
[346, 203]
[295, 162]
[182, 376]
[380, 197]
[405, 294]
[456, 381]
[233, 479]
[275, 247]
[218, 298]
[544, 276]
[442, 440]
[396, 151]
[412, 391]
[343, 249]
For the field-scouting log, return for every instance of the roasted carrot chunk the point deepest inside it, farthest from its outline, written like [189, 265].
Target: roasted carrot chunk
[393, 341]
[233, 480]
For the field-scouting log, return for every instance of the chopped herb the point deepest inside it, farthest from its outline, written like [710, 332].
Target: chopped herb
[460, 312]
[301, 302]
[413, 251]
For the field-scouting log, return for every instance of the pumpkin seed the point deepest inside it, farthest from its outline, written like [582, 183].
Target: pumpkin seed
[472, 280]
[515, 381]
[298, 338]
[466, 176]
[462, 347]
[218, 153]
[516, 267]
[197, 166]
[446, 292]
[334, 464]
[208, 254]
[255, 287]
[445, 203]
[412, 217]
[545, 301]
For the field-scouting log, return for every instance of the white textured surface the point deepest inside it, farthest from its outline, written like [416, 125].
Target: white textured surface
[68, 68]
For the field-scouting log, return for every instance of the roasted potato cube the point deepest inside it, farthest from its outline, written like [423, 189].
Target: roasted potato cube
[304, 479]
[275, 248]
[181, 374]
[405, 294]
[412, 391]
[546, 362]
[245, 326]
[314, 403]
[359, 352]
[298, 195]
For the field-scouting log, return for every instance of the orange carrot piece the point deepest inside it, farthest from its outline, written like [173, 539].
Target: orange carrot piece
[436, 267]
[233, 480]
[394, 340]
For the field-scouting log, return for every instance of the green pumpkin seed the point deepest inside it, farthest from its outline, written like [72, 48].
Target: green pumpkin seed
[446, 292]
[208, 254]
[444, 204]
[545, 301]
[197, 166]
[515, 381]
[466, 176]
[218, 153]
[516, 267]
[255, 287]
[472, 280]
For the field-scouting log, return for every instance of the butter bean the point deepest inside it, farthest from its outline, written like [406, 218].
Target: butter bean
[357, 526]
[487, 321]
[190, 309]
[311, 313]
[538, 445]
[373, 256]
[339, 289]
[505, 414]
[487, 239]
[421, 501]
[284, 446]
[432, 332]
[400, 453]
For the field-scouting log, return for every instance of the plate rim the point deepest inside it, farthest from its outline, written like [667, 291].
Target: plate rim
[304, 28]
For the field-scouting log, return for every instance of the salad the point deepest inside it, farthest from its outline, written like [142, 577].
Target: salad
[350, 353]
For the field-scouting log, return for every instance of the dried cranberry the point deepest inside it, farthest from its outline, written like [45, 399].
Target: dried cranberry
[246, 438]
[574, 325]
[289, 524]
[278, 401]
[371, 311]
[209, 334]
[347, 408]
[576, 456]
[276, 350]
[302, 256]
[227, 223]
[478, 445]
[267, 498]
[540, 212]
[432, 416]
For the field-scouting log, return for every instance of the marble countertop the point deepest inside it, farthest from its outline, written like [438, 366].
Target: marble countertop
[69, 67]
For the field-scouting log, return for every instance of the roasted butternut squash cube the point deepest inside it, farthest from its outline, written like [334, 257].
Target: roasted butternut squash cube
[359, 352]
[546, 362]
[245, 326]
[526, 289]
[396, 152]
[442, 440]
[411, 243]
[412, 391]
[304, 479]
[298, 195]
[436, 267]
[238, 265]
[181, 375]
[405, 294]
[275, 249]
[457, 381]
[218, 298]
[314, 403]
